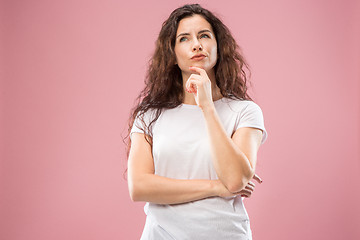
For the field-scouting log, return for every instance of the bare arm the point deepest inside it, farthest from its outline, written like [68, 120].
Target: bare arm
[144, 185]
[234, 158]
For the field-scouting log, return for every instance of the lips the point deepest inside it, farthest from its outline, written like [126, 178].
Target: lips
[198, 56]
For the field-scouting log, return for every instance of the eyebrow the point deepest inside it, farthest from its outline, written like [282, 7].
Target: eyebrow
[186, 34]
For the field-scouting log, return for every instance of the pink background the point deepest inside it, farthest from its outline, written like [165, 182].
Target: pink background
[71, 70]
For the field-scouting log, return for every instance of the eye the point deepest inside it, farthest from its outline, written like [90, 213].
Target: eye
[205, 35]
[182, 39]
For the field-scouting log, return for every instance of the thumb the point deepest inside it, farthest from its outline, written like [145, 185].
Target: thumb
[257, 178]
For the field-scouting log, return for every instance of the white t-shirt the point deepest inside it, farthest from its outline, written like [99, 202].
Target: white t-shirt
[181, 150]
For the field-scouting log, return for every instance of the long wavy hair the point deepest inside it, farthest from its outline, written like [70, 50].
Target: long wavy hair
[163, 82]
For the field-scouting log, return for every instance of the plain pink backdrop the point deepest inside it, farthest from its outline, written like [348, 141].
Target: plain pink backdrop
[71, 70]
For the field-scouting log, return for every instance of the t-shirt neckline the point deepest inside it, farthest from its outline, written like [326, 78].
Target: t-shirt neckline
[191, 106]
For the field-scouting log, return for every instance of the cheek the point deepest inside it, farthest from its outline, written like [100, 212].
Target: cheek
[179, 54]
[214, 53]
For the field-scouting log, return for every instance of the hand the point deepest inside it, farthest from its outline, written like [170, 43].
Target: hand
[250, 187]
[199, 85]
[222, 191]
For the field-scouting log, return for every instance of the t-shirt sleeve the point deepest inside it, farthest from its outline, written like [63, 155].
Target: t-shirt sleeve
[252, 116]
[139, 126]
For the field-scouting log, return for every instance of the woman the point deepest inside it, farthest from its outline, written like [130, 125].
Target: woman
[195, 133]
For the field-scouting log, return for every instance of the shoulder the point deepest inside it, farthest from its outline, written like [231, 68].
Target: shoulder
[143, 122]
[249, 114]
[241, 105]
[147, 115]
[143, 119]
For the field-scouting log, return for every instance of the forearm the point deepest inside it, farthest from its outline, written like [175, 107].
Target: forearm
[162, 190]
[231, 164]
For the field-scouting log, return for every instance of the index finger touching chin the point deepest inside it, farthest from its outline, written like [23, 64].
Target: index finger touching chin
[198, 70]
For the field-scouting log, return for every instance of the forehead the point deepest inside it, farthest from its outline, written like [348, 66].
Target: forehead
[193, 23]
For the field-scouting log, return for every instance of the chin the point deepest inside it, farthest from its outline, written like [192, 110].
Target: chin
[200, 65]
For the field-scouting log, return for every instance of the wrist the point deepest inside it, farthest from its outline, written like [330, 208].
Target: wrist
[214, 188]
[209, 108]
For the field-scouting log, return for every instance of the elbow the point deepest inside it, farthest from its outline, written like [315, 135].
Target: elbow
[240, 182]
[138, 187]
[236, 187]
[133, 196]
[135, 192]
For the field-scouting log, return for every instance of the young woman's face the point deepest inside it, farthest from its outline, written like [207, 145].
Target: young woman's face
[195, 44]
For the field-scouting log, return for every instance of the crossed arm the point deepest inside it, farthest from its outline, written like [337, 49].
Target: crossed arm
[234, 158]
[234, 162]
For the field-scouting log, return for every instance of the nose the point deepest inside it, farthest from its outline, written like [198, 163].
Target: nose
[197, 46]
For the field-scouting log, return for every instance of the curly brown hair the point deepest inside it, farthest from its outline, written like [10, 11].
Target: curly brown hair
[163, 83]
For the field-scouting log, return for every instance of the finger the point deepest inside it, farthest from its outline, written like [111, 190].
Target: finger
[195, 76]
[257, 178]
[191, 85]
[245, 192]
[192, 88]
[198, 70]
[249, 187]
[251, 183]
